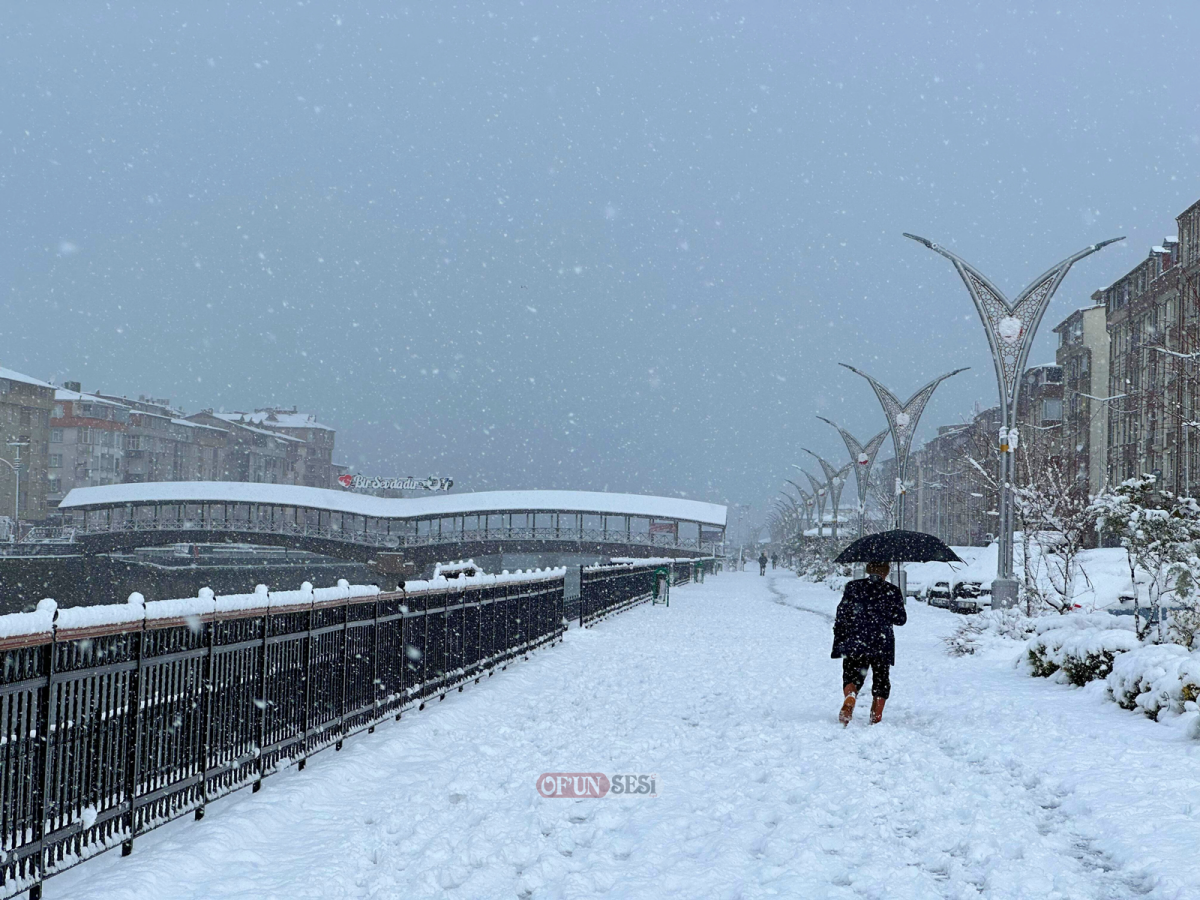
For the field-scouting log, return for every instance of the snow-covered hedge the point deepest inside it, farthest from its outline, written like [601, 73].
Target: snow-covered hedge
[1156, 677]
[1011, 624]
[1081, 647]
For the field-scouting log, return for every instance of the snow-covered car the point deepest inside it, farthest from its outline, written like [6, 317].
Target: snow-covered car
[938, 594]
[967, 597]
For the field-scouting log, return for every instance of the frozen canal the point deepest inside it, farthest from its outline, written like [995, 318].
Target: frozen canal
[981, 782]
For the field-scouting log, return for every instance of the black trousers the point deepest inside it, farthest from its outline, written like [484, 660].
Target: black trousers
[854, 671]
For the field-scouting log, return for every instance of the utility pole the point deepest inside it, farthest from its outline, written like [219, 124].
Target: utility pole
[21, 442]
[1010, 326]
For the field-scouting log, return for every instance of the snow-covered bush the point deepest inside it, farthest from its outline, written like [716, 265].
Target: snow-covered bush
[1011, 624]
[1155, 677]
[814, 560]
[1159, 532]
[1082, 647]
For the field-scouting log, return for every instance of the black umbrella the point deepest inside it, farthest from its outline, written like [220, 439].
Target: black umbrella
[897, 546]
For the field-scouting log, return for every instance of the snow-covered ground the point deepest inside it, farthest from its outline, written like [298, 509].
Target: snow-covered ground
[981, 782]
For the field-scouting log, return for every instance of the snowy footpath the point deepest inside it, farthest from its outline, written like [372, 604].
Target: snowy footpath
[981, 782]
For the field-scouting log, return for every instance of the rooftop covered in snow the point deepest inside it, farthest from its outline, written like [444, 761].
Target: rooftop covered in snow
[10, 375]
[589, 502]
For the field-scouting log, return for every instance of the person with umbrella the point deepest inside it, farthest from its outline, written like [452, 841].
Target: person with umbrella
[863, 636]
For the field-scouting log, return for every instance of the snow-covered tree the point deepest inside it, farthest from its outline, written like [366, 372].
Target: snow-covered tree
[1159, 532]
[1058, 520]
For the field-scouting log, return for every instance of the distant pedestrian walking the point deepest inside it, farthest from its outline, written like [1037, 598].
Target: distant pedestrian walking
[762, 563]
[774, 560]
[863, 638]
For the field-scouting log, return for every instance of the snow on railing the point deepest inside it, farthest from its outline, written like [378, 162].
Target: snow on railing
[257, 681]
[49, 616]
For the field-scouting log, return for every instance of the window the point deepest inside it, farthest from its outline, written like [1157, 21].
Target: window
[53, 484]
[1052, 410]
[56, 435]
[26, 415]
[56, 460]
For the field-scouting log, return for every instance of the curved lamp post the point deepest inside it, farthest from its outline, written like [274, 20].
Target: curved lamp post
[835, 479]
[819, 492]
[863, 458]
[809, 501]
[902, 419]
[1010, 326]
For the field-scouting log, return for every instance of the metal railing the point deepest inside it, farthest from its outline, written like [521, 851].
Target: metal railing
[606, 590]
[393, 541]
[107, 732]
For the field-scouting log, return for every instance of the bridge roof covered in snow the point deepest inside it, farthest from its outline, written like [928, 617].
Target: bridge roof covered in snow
[478, 503]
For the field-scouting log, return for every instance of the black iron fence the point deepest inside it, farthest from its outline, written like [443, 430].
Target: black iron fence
[110, 730]
[605, 590]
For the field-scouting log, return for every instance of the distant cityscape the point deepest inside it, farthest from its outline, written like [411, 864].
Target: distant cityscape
[61, 437]
[1120, 400]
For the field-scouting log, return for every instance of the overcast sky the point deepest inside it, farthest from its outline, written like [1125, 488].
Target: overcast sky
[610, 246]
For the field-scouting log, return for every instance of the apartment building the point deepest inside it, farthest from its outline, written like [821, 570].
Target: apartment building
[1083, 356]
[25, 406]
[87, 442]
[312, 458]
[253, 453]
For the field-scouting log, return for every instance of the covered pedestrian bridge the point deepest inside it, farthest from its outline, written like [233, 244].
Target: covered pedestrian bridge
[359, 527]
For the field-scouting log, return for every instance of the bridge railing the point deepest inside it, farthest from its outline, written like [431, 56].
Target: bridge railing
[117, 719]
[387, 541]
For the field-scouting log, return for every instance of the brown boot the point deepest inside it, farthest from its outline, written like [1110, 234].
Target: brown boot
[848, 705]
[877, 710]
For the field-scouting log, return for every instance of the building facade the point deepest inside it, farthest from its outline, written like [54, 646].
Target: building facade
[87, 442]
[1083, 356]
[954, 495]
[253, 453]
[1040, 444]
[311, 458]
[1142, 308]
[25, 406]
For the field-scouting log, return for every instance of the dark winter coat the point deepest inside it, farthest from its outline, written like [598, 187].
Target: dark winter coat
[863, 627]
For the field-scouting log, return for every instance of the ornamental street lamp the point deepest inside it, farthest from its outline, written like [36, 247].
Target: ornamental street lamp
[902, 419]
[809, 501]
[863, 458]
[1010, 327]
[819, 491]
[836, 480]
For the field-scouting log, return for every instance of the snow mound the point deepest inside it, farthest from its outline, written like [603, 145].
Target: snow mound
[1078, 648]
[1156, 678]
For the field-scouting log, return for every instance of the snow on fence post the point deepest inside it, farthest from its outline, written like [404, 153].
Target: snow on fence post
[40, 813]
[133, 736]
[208, 624]
[260, 702]
[86, 779]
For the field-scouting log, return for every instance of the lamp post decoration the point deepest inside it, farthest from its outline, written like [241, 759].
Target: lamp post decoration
[819, 491]
[810, 501]
[1010, 326]
[835, 479]
[902, 419]
[863, 457]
